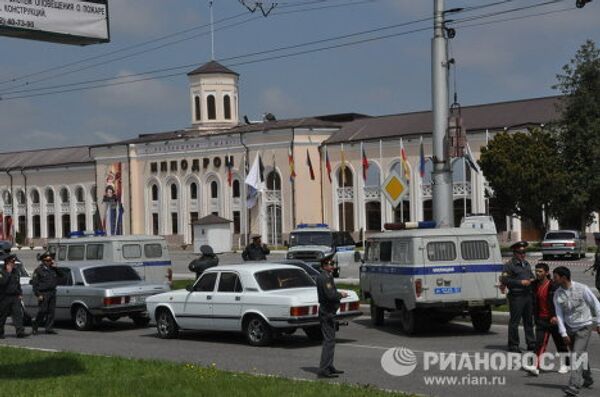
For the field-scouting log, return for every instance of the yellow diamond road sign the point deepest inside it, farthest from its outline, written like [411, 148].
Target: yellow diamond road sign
[394, 188]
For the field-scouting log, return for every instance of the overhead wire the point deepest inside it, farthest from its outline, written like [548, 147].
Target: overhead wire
[162, 38]
[298, 53]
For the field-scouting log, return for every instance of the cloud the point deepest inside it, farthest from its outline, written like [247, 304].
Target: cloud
[149, 95]
[275, 100]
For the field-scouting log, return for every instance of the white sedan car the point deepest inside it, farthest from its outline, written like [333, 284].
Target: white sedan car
[259, 300]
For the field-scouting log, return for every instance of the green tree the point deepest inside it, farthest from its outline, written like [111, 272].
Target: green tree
[524, 172]
[579, 136]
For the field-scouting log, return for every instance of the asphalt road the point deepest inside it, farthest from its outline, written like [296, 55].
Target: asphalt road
[359, 350]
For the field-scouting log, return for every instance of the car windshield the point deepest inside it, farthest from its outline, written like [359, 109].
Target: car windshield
[269, 280]
[560, 236]
[311, 238]
[108, 274]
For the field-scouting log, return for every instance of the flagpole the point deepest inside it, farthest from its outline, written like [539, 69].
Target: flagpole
[382, 208]
[321, 159]
[464, 165]
[343, 188]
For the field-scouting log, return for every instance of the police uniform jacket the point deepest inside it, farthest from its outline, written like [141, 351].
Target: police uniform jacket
[45, 279]
[329, 297]
[255, 252]
[513, 273]
[10, 283]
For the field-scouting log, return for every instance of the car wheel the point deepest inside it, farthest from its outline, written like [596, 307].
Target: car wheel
[314, 333]
[165, 325]
[377, 314]
[482, 321]
[82, 318]
[257, 331]
[140, 320]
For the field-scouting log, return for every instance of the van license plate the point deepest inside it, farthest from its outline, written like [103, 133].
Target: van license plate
[447, 290]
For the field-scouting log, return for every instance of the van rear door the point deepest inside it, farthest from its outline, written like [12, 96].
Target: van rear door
[481, 273]
[443, 275]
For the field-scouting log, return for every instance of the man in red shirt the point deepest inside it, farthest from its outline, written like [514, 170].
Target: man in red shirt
[546, 323]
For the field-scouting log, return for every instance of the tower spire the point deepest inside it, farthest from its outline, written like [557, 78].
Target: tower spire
[212, 31]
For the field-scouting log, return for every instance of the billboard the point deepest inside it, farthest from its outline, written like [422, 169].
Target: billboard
[113, 206]
[59, 21]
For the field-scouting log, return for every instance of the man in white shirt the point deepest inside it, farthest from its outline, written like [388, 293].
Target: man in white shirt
[576, 306]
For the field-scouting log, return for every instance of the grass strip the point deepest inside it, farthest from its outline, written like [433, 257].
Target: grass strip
[26, 372]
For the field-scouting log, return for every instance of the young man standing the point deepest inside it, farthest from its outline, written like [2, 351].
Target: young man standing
[576, 306]
[546, 323]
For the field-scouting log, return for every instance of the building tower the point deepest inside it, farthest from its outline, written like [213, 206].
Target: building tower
[214, 97]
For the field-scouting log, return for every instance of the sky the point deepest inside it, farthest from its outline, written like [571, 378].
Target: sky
[500, 61]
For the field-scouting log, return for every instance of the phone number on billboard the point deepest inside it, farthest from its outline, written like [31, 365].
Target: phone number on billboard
[17, 22]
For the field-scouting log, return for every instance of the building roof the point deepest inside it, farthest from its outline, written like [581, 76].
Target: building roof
[27, 159]
[212, 67]
[211, 219]
[491, 116]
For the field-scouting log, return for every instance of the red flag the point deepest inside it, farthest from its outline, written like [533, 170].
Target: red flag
[229, 165]
[310, 167]
[327, 164]
[365, 164]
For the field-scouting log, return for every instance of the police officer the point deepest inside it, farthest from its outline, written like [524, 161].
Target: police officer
[596, 265]
[518, 277]
[10, 296]
[329, 303]
[44, 281]
[207, 260]
[256, 250]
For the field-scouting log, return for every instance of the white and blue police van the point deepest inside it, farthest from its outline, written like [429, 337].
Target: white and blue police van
[431, 274]
[148, 255]
[312, 242]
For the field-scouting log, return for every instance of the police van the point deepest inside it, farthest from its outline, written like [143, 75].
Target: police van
[148, 255]
[312, 242]
[434, 274]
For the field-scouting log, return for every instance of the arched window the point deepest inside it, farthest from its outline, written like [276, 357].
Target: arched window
[35, 197]
[193, 191]
[20, 196]
[50, 196]
[212, 108]
[373, 215]
[197, 113]
[346, 216]
[236, 188]
[173, 191]
[154, 193]
[64, 195]
[214, 190]
[373, 176]
[79, 196]
[227, 107]
[7, 197]
[347, 180]
[273, 181]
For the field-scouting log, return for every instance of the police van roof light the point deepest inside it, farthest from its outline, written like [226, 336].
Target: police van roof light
[76, 234]
[409, 225]
[306, 225]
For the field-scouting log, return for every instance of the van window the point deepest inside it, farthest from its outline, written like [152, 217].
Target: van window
[385, 251]
[132, 251]
[400, 252]
[229, 282]
[475, 250]
[62, 252]
[372, 251]
[152, 250]
[94, 251]
[441, 251]
[76, 252]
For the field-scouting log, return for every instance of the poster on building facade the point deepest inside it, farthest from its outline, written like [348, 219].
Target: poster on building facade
[113, 206]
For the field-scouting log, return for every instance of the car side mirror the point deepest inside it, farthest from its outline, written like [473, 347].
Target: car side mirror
[357, 257]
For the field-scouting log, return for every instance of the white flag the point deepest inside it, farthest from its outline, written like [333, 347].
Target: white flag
[255, 185]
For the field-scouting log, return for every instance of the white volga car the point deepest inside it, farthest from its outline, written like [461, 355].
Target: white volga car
[259, 300]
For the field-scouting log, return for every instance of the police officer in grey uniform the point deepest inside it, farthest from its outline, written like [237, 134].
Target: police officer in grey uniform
[44, 281]
[329, 303]
[256, 250]
[518, 277]
[10, 296]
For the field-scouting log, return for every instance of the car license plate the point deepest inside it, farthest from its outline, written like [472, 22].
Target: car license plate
[558, 245]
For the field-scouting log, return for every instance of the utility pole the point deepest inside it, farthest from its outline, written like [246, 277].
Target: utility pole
[443, 206]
